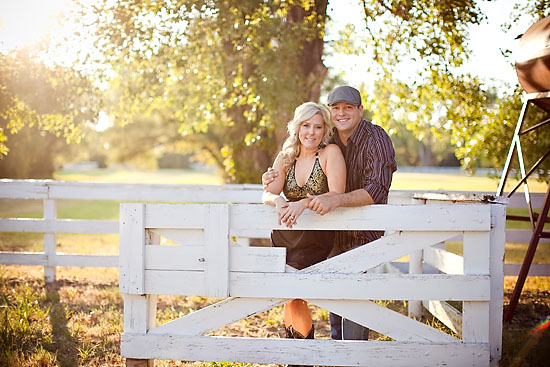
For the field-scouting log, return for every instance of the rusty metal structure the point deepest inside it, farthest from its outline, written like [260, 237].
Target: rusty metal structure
[533, 71]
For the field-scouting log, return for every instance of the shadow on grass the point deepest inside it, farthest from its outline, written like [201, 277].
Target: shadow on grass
[64, 344]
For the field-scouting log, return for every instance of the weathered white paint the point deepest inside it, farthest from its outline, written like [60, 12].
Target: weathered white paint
[325, 285]
[307, 352]
[383, 250]
[58, 225]
[216, 316]
[338, 284]
[473, 217]
[443, 260]
[216, 243]
[385, 321]
[415, 267]
[248, 259]
[447, 314]
[476, 252]
[498, 221]
[132, 253]
[193, 237]
[50, 243]
[59, 259]
[232, 193]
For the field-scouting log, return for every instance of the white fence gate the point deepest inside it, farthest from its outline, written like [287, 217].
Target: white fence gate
[206, 262]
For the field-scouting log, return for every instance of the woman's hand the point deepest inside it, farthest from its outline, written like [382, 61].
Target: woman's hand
[289, 215]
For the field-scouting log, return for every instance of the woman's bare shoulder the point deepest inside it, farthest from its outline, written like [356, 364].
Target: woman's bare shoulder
[330, 150]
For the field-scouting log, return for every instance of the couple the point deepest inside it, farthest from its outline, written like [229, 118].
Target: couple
[323, 171]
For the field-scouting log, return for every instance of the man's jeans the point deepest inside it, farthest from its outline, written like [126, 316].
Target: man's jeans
[348, 329]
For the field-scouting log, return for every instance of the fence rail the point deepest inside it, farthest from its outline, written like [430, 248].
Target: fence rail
[51, 191]
[205, 262]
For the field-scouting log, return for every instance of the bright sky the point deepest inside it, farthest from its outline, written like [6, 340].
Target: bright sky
[26, 21]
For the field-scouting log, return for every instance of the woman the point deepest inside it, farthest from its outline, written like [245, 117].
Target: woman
[311, 166]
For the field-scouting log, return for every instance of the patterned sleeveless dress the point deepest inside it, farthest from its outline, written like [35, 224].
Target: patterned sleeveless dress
[304, 248]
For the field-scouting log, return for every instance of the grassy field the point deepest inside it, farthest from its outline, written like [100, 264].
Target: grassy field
[78, 320]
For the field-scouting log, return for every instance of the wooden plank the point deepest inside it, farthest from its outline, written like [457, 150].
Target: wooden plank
[216, 316]
[182, 237]
[248, 259]
[327, 286]
[50, 243]
[475, 322]
[250, 232]
[132, 248]
[87, 261]
[458, 217]
[58, 225]
[475, 315]
[216, 243]
[445, 313]
[304, 352]
[384, 321]
[375, 253]
[189, 283]
[156, 192]
[234, 193]
[23, 258]
[496, 261]
[415, 267]
[23, 189]
[139, 313]
[444, 261]
[190, 216]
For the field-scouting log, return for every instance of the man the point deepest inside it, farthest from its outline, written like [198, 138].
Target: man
[370, 163]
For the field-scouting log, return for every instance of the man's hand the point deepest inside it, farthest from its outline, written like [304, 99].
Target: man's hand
[322, 204]
[268, 177]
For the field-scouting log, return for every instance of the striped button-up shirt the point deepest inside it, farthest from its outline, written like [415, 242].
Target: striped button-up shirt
[370, 163]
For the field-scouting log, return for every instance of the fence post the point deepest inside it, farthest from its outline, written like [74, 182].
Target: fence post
[496, 265]
[139, 309]
[50, 214]
[415, 267]
[475, 320]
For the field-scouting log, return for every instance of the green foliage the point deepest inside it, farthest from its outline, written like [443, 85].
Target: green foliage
[438, 102]
[229, 74]
[46, 105]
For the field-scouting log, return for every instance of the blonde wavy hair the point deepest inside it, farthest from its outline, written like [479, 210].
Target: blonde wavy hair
[305, 111]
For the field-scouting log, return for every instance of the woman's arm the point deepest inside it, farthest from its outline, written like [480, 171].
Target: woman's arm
[335, 169]
[272, 193]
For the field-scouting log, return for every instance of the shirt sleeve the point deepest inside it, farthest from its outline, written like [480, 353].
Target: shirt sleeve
[380, 166]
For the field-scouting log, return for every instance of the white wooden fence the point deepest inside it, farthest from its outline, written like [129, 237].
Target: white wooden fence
[205, 262]
[51, 191]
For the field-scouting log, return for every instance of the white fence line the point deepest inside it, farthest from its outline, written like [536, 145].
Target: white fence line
[256, 279]
[50, 191]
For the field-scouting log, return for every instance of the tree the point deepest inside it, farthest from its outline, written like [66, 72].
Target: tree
[231, 73]
[48, 103]
[440, 101]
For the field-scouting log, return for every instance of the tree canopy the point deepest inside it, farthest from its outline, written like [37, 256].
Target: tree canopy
[51, 102]
[222, 78]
